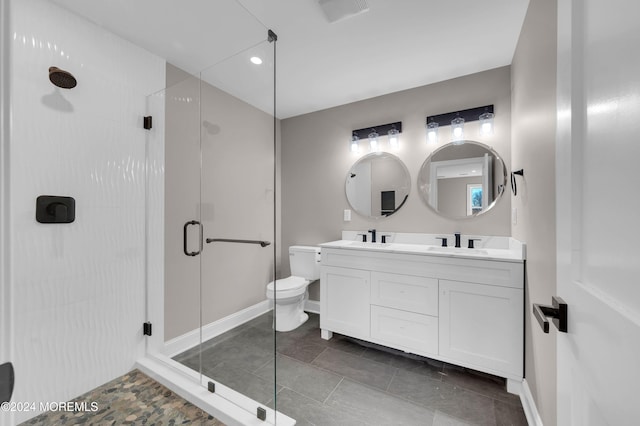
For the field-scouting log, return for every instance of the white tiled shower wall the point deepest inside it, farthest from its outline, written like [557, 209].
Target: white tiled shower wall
[78, 292]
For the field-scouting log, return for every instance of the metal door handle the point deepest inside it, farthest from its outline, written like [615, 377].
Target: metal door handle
[557, 312]
[227, 240]
[184, 238]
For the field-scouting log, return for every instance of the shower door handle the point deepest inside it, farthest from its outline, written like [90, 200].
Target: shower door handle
[184, 238]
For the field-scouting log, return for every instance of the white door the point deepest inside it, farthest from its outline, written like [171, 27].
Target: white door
[487, 181]
[598, 211]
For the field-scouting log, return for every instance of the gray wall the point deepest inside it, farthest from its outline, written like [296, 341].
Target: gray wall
[386, 175]
[233, 200]
[533, 75]
[316, 158]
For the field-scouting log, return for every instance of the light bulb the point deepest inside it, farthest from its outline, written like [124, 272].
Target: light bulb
[394, 139]
[486, 123]
[354, 143]
[432, 132]
[255, 60]
[373, 140]
[457, 129]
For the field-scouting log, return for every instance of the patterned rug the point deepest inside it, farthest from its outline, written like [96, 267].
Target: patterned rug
[133, 399]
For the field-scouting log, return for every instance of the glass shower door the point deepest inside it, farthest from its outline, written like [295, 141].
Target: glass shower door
[212, 190]
[238, 203]
[182, 225]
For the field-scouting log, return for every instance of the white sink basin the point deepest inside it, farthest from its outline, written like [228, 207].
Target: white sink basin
[456, 250]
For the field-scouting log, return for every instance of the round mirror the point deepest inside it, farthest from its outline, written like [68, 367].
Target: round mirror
[378, 185]
[461, 180]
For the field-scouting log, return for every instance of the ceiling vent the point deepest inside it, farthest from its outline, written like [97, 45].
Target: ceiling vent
[336, 10]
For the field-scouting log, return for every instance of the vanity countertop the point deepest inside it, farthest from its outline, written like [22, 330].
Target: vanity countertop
[496, 248]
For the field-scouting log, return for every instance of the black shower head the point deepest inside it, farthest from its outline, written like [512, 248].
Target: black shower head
[62, 78]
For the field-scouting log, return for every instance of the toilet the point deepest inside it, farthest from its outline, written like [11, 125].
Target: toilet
[291, 293]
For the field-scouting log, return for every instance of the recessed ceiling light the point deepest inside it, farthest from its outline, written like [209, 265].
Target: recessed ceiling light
[256, 60]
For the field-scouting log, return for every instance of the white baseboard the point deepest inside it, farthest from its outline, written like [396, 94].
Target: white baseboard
[529, 405]
[191, 339]
[312, 306]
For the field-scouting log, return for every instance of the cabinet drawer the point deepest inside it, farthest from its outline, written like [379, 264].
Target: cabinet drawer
[406, 292]
[405, 330]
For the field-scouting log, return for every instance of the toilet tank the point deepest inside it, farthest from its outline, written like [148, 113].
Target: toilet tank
[305, 262]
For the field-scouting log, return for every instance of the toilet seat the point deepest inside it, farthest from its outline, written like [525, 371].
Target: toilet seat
[288, 287]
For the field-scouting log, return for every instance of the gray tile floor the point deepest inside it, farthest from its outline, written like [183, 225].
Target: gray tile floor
[346, 382]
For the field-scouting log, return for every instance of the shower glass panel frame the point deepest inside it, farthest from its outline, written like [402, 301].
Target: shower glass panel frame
[211, 243]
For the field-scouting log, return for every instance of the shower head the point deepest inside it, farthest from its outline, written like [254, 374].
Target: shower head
[62, 78]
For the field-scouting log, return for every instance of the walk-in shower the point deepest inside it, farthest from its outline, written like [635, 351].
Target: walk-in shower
[175, 235]
[213, 145]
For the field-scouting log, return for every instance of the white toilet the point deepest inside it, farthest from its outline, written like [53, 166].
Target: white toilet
[291, 293]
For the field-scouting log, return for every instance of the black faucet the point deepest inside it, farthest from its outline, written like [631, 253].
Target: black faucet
[471, 240]
[373, 235]
[457, 235]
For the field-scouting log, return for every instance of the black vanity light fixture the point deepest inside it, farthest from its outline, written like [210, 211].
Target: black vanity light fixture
[457, 119]
[391, 130]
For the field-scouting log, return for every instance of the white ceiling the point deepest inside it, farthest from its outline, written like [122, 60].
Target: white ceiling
[396, 45]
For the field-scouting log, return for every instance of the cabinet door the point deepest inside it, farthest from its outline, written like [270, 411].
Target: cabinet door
[344, 301]
[481, 327]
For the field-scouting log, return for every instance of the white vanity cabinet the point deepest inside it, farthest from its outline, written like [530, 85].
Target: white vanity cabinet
[464, 311]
